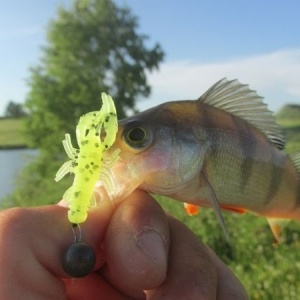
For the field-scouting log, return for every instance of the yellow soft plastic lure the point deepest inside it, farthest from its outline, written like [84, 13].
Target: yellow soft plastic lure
[96, 132]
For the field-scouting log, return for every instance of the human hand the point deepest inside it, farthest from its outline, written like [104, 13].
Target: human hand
[141, 254]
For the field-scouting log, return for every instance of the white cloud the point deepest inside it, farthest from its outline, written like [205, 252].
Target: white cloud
[275, 76]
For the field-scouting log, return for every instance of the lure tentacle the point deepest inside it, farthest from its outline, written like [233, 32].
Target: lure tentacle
[68, 195]
[64, 169]
[70, 150]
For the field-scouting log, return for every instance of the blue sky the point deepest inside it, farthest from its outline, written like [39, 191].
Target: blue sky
[256, 41]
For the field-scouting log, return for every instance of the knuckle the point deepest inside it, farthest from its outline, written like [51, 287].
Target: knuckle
[13, 223]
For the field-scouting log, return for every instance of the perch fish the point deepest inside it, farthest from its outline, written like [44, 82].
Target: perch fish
[223, 150]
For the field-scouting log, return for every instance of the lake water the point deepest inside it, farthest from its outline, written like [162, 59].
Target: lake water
[11, 163]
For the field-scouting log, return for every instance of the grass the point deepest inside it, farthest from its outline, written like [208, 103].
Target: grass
[267, 271]
[291, 130]
[11, 133]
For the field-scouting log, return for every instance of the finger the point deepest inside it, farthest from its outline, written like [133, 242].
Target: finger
[22, 274]
[191, 272]
[92, 287]
[229, 287]
[33, 241]
[136, 245]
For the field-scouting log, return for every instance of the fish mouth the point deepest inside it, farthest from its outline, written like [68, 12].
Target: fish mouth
[117, 178]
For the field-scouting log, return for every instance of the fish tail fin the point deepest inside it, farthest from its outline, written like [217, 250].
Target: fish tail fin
[295, 158]
[276, 227]
[278, 224]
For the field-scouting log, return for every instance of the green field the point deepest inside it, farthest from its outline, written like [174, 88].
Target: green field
[11, 133]
[267, 271]
[290, 122]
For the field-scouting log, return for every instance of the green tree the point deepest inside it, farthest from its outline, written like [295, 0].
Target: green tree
[14, 110]
[93, 47]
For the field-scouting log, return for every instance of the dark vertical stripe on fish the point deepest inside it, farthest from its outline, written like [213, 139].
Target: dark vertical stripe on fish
[248, 146]
[210, 126]
[297, 204]
[246, 171]
[275, 180]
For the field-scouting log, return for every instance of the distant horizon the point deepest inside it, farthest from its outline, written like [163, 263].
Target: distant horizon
[285, 105]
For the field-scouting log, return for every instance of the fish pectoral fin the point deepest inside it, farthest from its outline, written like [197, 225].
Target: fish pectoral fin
[191, 209]
[212, 197]
[276, 227]
[233, 209]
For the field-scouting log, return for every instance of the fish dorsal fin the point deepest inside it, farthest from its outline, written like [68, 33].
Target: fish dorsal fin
[239, 100]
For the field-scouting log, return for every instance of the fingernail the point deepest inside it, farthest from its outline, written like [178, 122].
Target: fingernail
[152, 244]
[63, 203]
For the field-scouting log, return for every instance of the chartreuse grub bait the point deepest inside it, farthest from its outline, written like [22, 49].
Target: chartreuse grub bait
[95, 133]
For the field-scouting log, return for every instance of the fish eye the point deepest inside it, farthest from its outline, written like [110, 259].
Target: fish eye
[137, 136]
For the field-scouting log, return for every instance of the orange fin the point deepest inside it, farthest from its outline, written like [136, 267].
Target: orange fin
[191, 209]
[276, 228]
[233, 209]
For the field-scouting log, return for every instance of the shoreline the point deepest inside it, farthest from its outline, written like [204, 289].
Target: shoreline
[14, 147]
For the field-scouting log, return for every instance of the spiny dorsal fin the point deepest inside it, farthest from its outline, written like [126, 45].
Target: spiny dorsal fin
[239, 100]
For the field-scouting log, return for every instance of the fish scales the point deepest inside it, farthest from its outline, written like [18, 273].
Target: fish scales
[238, 151]
[222, 150]
[241, 153]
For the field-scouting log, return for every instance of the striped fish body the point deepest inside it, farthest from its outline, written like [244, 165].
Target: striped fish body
[222, 150]
[245, 170]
